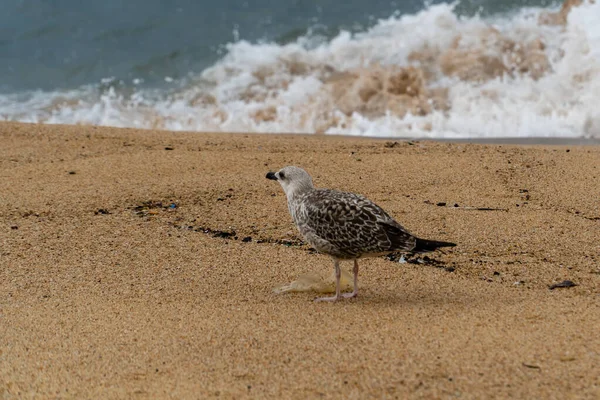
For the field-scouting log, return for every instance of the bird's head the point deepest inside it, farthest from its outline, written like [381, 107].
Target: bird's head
[293, 180]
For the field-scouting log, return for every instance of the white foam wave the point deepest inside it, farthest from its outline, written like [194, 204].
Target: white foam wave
[431, 74]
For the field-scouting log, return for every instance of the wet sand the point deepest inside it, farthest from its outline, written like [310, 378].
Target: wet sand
[141, 264]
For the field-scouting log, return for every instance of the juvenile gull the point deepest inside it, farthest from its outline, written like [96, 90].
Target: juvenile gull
[346, 226]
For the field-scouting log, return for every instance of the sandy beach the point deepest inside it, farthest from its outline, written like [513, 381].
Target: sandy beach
[141, 264]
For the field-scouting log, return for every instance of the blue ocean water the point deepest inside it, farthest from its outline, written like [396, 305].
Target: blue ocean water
[153, 63]
[62, 44]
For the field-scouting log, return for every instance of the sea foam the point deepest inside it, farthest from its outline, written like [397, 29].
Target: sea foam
[531, 73]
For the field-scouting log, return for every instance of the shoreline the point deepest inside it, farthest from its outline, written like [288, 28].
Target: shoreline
[528, 141]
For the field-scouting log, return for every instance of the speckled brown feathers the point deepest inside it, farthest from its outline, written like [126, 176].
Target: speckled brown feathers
[352, 225]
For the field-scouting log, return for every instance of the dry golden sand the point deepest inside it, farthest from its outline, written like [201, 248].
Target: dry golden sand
[136, 304]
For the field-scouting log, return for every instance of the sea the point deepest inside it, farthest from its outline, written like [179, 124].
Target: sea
[474, 69]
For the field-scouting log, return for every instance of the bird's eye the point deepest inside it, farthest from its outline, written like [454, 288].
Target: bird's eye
[281, 175]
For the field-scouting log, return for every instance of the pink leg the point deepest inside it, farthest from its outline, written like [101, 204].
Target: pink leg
[338, 274]
[355, 291]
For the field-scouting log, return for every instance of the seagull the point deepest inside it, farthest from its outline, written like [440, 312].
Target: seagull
[344, 225]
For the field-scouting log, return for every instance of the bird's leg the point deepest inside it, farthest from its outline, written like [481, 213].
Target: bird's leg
[338, 275]
[355, 291]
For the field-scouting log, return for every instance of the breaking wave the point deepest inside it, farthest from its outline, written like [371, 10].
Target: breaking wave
[532, 73]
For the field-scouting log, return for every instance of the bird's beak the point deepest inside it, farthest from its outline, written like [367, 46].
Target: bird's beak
[271, 176]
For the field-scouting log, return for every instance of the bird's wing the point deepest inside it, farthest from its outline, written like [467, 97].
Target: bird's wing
[354, 224]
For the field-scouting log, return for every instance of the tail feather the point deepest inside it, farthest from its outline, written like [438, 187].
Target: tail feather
[424, 246]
